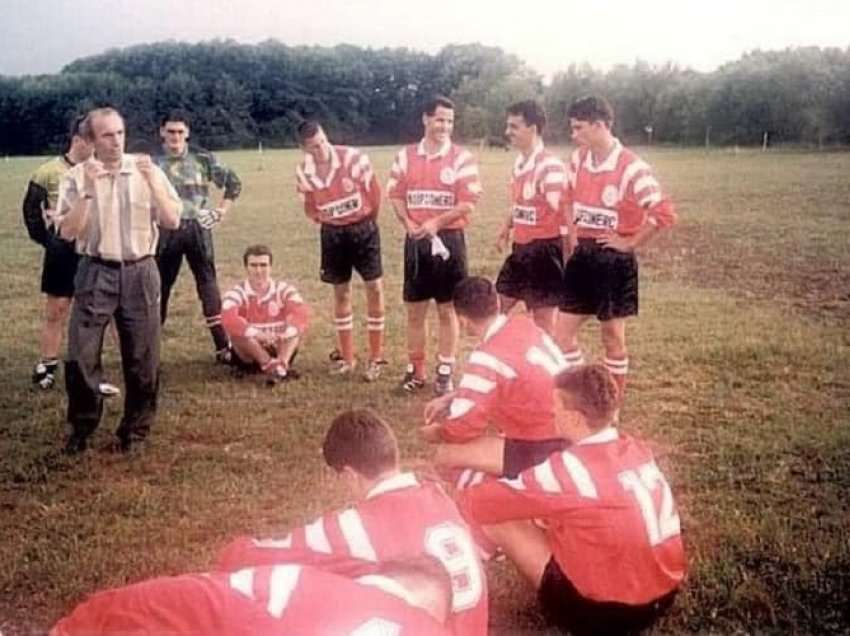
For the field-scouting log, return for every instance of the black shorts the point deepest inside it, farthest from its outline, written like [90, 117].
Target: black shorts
[427, 276]
[564, 606]
[346, 247]
[521, 454]
[534, 273]
[600, 281]
[59, 269]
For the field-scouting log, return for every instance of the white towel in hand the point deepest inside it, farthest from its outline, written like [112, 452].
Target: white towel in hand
[438, 248]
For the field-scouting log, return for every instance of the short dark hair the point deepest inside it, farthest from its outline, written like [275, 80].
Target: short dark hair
[307, 129]
[176, 116]
[593, 387]
[592, 108]
[75, 129]
[360, 439]
[435, 102]
[531, 111]
[475, 297]
[257, 250]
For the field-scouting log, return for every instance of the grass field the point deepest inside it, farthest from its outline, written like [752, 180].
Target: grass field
[740, 376]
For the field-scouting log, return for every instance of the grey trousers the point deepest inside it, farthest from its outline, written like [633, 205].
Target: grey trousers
[130, 294]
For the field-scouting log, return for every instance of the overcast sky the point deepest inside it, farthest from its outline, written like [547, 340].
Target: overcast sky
[41, 36]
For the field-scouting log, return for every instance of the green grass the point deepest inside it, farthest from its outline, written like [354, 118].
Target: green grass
[740, 377]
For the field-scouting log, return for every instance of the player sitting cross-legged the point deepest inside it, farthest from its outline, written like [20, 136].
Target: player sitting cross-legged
[265, 319]
[396, 517]
[610, 558]
[403, 599]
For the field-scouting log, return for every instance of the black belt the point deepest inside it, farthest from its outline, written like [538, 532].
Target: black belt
[117, 264]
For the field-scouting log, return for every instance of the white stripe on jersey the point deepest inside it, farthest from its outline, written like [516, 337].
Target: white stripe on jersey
[516, 483]
[556, 177]
[468, 171]
[476, 383]
[653, 198]
[461, 159]
[494, 364]
[545, 476]
[301, 182]
[355, 535]
[243, 582]
[646, 181]
[317, 540]
[274, 544]
[282, 583]
[554, 351]
[460, 407]
[580, 475]
[400, 164]
[630, 172]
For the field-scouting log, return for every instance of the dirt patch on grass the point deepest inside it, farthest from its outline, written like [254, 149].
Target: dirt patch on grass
[699, 256]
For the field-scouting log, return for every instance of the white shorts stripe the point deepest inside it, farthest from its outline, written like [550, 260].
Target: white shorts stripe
[355, 536]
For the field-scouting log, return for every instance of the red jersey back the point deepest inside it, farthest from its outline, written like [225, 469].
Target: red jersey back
[400, 519]
[434, 184]
[508, 381]
[348, 194]
[280, 308]
[618, 196]
[612, 524]
[280, 599]
[533, 182]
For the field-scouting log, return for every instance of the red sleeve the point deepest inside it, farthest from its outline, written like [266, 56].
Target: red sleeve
[541, 491]
[468, 184]
[645, 192]
[397, 183]
[373, 195]
[336, 542]
[295, 310]
[469, 412]
[232, 320]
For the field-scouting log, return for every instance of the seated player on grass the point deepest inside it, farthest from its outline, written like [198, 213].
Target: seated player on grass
[396, 517]
[609, 558]
[265, 319]
[401, 599]
[507, 383]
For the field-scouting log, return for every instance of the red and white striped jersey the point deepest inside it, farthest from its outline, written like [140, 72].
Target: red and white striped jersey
[617, 196]
[434, 184]
[279, 310]
[611, 521]
[508, 381]
[279, 599]
[401, 518]
[349, 193]
[534, 181]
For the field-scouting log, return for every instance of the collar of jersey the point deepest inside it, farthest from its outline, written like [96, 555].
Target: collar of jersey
[310, 168]
[610, 161]
[396, 482]
[521, 167]
[250, 290]
[500, 321]
[442, 152]
[607, 434]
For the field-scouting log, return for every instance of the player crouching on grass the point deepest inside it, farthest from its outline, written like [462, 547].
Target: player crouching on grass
[265, 319]
[507, 383]
[609, 559]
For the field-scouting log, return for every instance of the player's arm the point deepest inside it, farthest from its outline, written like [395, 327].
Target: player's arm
[226, 180]
[73, 214]
[232, 320]
[467, 414]
[35, 202]
[467, 193]
[336, 542]
[538, 492]
[397, 192]
[166, 204]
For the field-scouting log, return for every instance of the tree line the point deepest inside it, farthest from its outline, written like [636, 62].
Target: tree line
[240, 95]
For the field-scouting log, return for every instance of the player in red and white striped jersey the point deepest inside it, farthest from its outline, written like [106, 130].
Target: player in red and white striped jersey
[397, 518]
[265, 319]
[507, 384]
[611, 557]
[433, 186]
[617, 205]
[279, 599]
[340, 191]
[533, 272]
